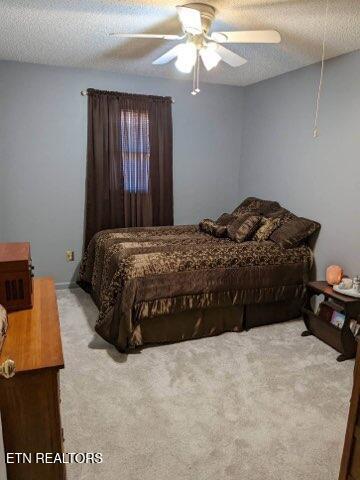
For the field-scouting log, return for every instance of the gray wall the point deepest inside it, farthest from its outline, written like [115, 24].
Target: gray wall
[316, 178]
[2, 173]
[43, 154]
[228, 143]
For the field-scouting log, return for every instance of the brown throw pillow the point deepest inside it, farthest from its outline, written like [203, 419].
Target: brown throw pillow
[242, 228]
[267, 227]
[217, 228]
[207, 225]
[293, 232]
[256, 206]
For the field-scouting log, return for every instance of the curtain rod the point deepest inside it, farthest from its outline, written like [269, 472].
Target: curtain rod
[84, 94]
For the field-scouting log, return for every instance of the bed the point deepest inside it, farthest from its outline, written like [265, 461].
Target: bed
[166, 284]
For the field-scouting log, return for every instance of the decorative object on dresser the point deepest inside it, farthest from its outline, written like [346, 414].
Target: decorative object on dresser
[350, 463]
[3, 325]
[345, 284]
[15, 276]
[30, 401]
[333, 323]
[334, 274]
[349, 287]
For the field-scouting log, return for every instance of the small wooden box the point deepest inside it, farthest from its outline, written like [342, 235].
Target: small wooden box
[16, 289]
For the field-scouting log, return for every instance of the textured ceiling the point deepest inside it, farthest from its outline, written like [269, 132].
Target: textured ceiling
[74, 33]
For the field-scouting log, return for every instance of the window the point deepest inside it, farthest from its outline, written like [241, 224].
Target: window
[135, 147]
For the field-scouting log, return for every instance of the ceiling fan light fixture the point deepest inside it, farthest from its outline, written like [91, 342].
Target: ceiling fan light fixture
[196, 20]
[190, 19]
[209, 57]
[186, 57]
[193, 31]
[219, 37]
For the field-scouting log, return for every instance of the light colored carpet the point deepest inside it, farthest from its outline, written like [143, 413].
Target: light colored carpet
[262, 405]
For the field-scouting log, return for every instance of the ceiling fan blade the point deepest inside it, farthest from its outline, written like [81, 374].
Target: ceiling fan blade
[251, 36]
[146, 35]
[168, 56]
[229, 57]
[190, 20]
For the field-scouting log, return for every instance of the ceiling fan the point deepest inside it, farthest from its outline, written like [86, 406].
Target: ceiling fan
[196, 20]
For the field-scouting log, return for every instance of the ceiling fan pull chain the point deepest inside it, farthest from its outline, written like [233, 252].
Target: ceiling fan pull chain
[193, 92]
[316, 130]
[197, 89]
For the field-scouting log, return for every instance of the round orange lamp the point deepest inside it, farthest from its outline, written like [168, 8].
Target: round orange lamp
[334, 274]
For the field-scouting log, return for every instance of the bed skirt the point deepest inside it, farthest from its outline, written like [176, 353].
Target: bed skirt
[209, 322]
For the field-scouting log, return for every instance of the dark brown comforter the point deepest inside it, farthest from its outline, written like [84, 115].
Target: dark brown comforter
[141, 273]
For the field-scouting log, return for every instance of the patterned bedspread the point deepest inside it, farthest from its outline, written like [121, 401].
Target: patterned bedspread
[137, 273]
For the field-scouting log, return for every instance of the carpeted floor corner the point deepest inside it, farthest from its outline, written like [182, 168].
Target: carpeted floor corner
[260, 405]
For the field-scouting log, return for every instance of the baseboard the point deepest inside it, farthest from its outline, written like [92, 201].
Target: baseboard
[64, 285]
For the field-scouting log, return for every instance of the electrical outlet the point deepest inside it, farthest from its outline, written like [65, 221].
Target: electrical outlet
[70, 256]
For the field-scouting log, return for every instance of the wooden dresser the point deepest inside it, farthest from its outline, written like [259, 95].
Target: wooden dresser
[30, 401]
[350, 464]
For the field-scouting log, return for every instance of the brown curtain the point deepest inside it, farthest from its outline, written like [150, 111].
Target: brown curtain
[129, 161]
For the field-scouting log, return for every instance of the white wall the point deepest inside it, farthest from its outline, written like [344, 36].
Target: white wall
[316, 178]
[43, 154]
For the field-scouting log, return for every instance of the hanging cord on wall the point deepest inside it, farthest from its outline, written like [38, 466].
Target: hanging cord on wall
[316, 124]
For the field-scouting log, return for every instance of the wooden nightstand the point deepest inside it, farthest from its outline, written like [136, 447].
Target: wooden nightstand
[342, 339]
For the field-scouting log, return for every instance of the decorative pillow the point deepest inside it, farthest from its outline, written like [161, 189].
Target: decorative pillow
[3, 325]
[237, 220]
[256, 206]
[243, 229]
[217, 228]
[207, 225]
[267, 227]
[222, 222]
[282, 213]
[294, 231]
